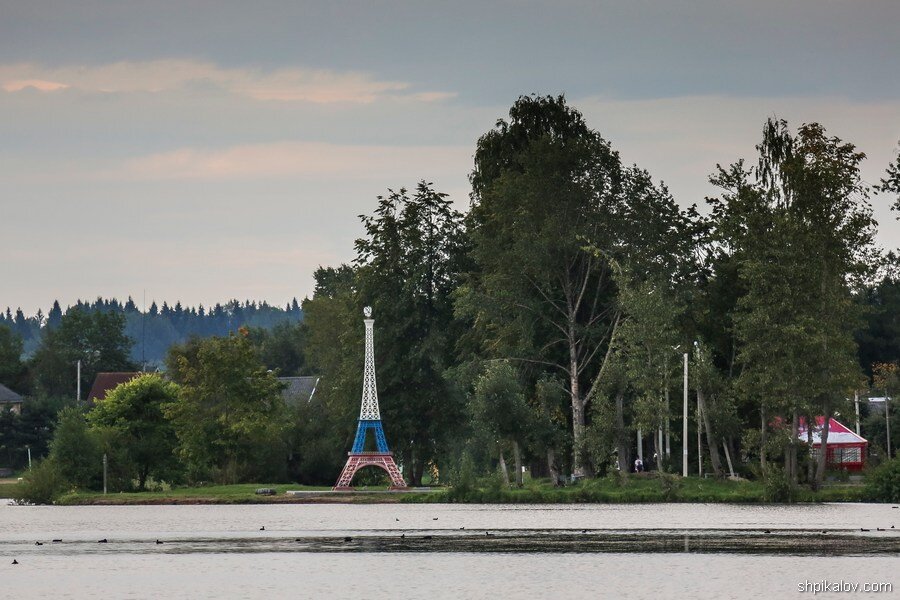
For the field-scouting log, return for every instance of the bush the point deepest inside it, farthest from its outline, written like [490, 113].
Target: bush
[75, 450]
[883, 483]
[42, 484]
[777, 485]
[670, 486]
[463, 481]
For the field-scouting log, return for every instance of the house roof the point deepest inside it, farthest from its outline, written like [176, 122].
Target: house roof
[298, 389]
[7, 396]
[838, 433]
[106, 382]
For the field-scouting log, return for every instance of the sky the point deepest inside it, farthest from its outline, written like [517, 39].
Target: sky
[199, 151]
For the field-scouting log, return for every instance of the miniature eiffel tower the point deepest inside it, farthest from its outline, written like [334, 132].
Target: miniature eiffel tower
[369, 418]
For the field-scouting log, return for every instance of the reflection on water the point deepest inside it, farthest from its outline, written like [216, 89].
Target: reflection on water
[443, 551]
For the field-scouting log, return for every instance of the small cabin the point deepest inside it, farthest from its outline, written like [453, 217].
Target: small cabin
[846, 448]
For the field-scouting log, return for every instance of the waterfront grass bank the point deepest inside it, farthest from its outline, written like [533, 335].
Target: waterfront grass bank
[626, 490]
[632, 489]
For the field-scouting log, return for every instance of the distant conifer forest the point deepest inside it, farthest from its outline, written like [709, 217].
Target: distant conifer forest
[154, 331]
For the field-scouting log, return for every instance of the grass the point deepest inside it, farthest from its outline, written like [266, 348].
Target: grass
[615, 489]
[242, 493]
[634, 489]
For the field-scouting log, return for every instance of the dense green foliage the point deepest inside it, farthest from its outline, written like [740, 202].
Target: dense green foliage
[229, 414]
[633, 489]
[883, 483]
[95, 338]
[547, 324]
[134, 410]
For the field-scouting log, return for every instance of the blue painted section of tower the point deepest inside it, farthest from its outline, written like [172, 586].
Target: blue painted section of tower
[359, 443]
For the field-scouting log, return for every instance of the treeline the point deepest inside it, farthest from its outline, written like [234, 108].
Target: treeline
[159, 327]
[99, 340]
[219, 415]
[546, 325]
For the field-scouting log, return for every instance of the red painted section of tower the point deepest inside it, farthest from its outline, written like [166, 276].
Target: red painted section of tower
[382, 460]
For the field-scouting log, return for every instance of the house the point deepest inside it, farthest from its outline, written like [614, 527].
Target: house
[846, 449]
[106, 382]
[9, 400]
[298, 390]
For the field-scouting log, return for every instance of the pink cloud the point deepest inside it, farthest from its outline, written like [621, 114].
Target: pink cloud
[156, 76]
[295, 160]
[36, 84]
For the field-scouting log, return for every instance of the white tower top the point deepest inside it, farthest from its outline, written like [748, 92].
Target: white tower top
[369, 410]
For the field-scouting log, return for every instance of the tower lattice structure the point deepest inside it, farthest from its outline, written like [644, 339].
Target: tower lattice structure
[369, 419]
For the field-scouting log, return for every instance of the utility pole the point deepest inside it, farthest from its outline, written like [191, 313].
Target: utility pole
[659, 446]
[699, 439]
[78, 382]
[684, 421]
[105, 461]
[856, 402]
[887, 421]
[668, 439]
[640, 445]
[29, 456]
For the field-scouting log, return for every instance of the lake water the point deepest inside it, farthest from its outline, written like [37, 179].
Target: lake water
[445, 551]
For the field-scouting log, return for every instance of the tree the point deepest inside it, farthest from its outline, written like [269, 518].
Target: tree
[885, 380]
[409, 264]
[334, 350]
[499, 409]
[229, 414]
[647, 348]
[800, 231]
[33, 429]
[281, 349]
[75, 451]
[54, 317]
[553, 210]
[135, 410]
[891, 181]
[11, 367]
[95, 338]
[879, 339]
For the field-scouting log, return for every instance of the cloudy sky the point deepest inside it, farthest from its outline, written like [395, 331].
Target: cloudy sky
[205, 150]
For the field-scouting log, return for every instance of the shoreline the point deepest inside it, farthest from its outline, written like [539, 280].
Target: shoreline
[631, 491]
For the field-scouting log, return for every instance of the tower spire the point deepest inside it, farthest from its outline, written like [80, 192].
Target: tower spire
[369, 410]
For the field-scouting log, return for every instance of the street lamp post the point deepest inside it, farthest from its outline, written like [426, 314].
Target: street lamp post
[684, 435]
